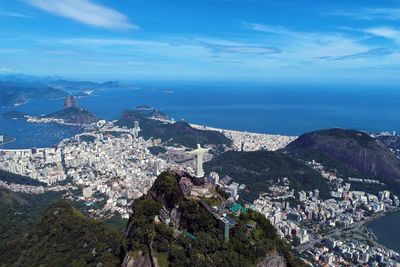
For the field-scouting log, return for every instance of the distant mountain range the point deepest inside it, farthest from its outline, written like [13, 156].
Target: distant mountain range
[18, 89]
[12, 93]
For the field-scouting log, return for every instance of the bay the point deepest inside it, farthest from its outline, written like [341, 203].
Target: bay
[265, 108]
[386, 230]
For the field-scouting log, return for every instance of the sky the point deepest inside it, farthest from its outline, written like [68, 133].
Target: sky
[237, 40]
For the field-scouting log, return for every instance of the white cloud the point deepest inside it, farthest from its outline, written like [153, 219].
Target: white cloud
[111, 42]
[86, 12]
[6, 70]
[385, 32]
[270, 29]
[173, 48]
[309, 45]
[222, 46]
[368, 13]
[14, 14]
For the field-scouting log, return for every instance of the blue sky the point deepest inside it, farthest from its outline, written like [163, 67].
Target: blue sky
[246, 40]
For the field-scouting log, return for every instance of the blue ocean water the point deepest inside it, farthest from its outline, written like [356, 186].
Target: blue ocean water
[385, 230]
[265, 108]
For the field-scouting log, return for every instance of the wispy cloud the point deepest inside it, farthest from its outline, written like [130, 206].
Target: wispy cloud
[368, 13]
[280, 30]
[325, 51]
[199, 45]
[372, 53]
[231, 47]
[86, 12]
[14, 14]
[385, 32]
[309, 44]
[111, 42]
[6, 70]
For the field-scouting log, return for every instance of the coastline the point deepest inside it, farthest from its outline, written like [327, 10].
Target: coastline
[377, 240]
[249, 141]
[244, 140]
[31, 119]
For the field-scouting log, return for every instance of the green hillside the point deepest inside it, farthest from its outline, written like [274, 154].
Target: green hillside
[195, 238]
[351, 153]
[64, 237]
[179, 133]
[259, 169]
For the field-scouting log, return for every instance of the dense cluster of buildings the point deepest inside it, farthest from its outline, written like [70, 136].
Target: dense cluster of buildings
[115, 164]
[110, 162]
[30, 189]
[317, 226]
[339, 252]
[43, 164]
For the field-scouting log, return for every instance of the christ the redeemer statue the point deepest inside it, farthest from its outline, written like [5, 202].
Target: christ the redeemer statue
[199, 153]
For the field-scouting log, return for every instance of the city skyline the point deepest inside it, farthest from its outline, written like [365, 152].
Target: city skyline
[202, 40]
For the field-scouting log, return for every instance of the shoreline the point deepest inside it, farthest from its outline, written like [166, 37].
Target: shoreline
[244, 140]
[249, 141]
[378, 217]
[222, 130]
[358, 226]
[31, 119]
[210, 128]
[254, 141]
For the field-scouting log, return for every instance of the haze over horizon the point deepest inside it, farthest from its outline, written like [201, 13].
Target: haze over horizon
[347, 41]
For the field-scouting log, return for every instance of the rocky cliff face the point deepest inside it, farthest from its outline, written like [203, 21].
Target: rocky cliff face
[273, 260]
[71, 102]
[139, 260]
[355, 149]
